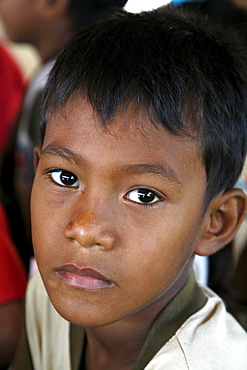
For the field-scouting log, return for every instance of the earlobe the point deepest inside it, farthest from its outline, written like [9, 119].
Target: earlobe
[37, 154]
[222, 220]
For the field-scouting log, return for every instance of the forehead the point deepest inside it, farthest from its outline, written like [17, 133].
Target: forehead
[131, 138]
[131, 119]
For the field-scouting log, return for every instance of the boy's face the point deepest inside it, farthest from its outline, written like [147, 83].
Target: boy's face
[116, 215]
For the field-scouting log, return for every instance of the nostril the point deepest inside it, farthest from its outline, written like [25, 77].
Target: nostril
[92, 235]
[69, 231]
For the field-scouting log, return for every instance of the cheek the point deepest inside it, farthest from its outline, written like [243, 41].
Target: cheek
[156, 261]
[45, 227]
[169, 246]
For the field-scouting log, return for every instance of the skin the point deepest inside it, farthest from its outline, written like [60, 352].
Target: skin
[10, 323]
[34, 21]
[242, 3]
[143, 248]
[16, 16]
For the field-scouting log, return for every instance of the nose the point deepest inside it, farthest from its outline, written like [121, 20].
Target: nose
[90, 230]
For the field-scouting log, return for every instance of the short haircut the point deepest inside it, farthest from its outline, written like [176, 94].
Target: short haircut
[188, 79]
[87, 12]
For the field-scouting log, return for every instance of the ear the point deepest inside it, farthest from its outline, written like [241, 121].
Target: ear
[223, 218]
[36, 155]
[51, 9]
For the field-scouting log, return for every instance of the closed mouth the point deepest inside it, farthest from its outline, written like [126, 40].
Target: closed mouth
[83, 278]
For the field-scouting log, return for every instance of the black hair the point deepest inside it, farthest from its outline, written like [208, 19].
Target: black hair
[227, 14]
[189, 80]
[87, 12]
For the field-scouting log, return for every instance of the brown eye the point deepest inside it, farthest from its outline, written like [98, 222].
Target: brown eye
[143, 196]
[64, 178]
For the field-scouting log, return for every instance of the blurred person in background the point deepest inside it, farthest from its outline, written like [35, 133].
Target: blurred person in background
[13, 277]
[12, 87]
[13, 280]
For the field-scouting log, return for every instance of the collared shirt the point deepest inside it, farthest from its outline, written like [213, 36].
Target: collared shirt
[192, 332]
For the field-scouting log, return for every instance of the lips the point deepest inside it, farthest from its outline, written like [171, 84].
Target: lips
[85, 278]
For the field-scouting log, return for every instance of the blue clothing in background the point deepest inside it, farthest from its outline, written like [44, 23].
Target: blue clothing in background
[241, 184]
[178, 2]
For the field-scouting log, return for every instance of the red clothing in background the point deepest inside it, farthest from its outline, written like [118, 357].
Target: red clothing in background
[13, 278]
[12, 88]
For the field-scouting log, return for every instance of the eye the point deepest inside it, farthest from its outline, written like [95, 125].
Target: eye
[143, 196]
[64, 178]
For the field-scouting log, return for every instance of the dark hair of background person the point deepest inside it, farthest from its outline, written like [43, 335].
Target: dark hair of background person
[87, 12]
[224, 14]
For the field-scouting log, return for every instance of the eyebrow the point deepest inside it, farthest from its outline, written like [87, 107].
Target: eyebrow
[155, 169]
[136, 169]
[58, 151]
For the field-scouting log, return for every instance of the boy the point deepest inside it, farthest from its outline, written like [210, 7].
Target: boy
[48, 25]
[143, 139]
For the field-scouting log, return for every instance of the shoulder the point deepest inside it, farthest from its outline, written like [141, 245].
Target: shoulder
[210, 339]
[39, 307]
[36, 293]
[44, 327]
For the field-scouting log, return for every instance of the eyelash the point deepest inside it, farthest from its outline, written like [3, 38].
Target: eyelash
[55, 175]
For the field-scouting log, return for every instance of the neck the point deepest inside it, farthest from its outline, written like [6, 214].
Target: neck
[48, 50]
[118, 345]
[52, 38]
